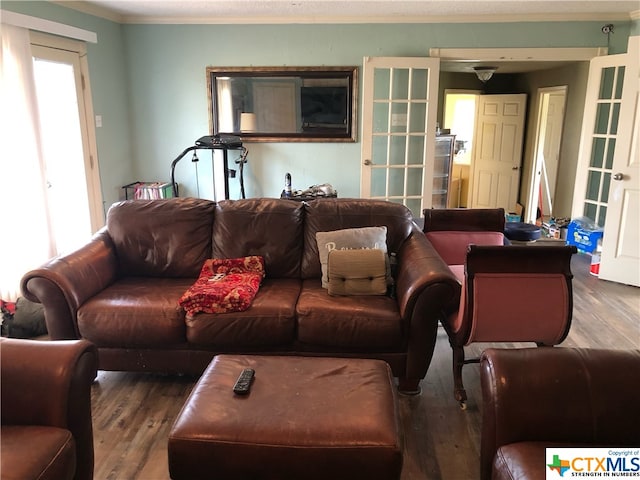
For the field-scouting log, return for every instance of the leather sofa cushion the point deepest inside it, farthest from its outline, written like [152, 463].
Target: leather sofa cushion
[269, 321]
[135, 312]
[271, 228]
[367, 322]
[161, 238]
[325, 215]
[37, 452]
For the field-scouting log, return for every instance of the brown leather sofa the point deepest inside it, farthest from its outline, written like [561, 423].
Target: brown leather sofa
[45, 400]
[535, 398]
[121, 290]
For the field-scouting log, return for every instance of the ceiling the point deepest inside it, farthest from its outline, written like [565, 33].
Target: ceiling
[364, 11]
[353, 11]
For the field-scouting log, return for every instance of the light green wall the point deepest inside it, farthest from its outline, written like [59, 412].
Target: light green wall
[148, 83]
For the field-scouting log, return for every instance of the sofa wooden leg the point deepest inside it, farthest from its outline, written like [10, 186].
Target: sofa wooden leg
[409, 386]
[458, 388]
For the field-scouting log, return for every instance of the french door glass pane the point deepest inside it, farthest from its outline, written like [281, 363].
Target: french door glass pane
[414, 182]
[398, 150]
[400, 84]
[416, 150]
[615, 116]
[419, 82]
[602, 215]
[619, 83]
[597, 152]
[593, 185]
[380, 118]
[399, 117]
[379, 150]
[396, 182]
[590, 211]
[381, 79]
[414, 205]
[418, 117]
[611, 149]
[602, 118]
[378, 182]
[604, 196]
[606, 83]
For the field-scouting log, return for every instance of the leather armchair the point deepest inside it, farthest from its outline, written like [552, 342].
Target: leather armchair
[511, 294]
[534, 398]
[45, 401]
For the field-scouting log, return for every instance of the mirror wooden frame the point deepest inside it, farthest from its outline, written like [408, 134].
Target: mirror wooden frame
[295, 78]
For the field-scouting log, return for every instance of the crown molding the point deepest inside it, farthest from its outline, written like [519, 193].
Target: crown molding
[108, 14]
[363, 19]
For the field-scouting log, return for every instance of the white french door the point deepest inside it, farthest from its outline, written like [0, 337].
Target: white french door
[400, 101]
[608, 176]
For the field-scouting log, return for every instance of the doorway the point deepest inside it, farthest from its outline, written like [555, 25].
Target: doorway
[74, 196]
[459, 118]
[546, 156]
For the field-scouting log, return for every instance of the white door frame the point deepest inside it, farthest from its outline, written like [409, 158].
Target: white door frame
[507, 55]
[537, 159]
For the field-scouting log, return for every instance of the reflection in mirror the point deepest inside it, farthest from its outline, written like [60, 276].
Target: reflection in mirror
[284, 103]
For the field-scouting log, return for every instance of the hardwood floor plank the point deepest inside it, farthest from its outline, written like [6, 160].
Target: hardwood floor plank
[133, 413]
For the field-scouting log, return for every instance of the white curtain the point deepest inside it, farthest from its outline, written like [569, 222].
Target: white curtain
[25, 232]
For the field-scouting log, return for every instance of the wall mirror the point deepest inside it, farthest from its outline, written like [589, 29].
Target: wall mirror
[283, 104]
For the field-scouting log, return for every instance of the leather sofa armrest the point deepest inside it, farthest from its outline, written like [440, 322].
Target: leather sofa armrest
[567, 395]
[419, 268]
[49, 383]
[64, 283]
[425, 289]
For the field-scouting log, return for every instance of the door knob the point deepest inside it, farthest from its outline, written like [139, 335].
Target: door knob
[368, 162]
[515, 168]
[618, 176]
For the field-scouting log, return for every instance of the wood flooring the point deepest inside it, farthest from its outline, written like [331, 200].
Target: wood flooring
[133, 413]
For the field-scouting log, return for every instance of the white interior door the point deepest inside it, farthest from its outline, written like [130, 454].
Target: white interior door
[497, 151]
[68, 141]
[608, 178]
[400, 101]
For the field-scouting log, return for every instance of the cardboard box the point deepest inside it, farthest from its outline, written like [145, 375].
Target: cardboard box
[585, 241]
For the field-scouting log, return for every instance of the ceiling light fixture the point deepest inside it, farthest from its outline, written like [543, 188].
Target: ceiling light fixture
[484, 74]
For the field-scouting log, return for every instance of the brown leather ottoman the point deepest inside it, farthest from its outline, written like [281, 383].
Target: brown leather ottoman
[304, 418]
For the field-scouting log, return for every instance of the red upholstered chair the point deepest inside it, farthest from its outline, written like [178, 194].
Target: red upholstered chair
[46, 430]
[511, 293]
[452, 230]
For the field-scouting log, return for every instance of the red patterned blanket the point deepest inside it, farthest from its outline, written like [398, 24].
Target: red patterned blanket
[224, 285]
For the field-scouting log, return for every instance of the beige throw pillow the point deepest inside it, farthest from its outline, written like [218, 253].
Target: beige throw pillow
[357, 272]
[349, 239]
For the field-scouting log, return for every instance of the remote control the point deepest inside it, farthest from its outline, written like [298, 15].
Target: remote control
[243, 384]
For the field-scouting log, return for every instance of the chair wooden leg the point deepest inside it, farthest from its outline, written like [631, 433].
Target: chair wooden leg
[458, 388]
